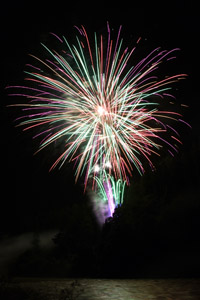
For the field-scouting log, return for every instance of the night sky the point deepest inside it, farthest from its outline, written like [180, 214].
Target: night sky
[27, 188]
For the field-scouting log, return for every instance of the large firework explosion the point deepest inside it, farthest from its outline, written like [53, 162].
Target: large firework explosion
[104, 109]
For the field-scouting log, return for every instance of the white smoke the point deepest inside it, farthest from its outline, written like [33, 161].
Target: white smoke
[100, 208]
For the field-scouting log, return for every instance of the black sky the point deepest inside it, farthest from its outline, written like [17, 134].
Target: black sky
[24, 24]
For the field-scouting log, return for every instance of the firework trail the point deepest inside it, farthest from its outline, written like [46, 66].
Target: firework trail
[102, 109]
[111, 191]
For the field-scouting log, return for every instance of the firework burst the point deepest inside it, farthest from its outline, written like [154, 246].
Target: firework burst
[104, 110]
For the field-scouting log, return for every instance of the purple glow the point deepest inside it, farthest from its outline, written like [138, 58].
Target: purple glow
[109, 193]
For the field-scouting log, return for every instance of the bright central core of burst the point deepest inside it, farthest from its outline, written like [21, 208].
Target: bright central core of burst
[102, 111]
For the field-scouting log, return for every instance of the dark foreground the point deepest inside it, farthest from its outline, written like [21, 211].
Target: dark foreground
[99, 289]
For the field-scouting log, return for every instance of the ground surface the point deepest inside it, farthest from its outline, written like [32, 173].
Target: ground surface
[117, 289]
